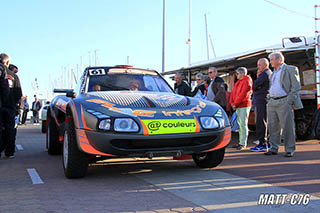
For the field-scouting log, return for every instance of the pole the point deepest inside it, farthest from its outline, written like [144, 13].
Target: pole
[207, 39]
[81, 63]
[164, 37]
[190, 31]
[90, 58]
[214, 52]
[128, 60]
[317, 60]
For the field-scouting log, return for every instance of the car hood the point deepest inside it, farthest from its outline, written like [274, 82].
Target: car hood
[136, 99]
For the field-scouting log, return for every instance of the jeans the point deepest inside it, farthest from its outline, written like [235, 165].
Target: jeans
[243, 116]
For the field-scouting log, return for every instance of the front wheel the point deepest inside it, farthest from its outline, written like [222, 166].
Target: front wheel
[209, 159]
[54, 145]
[43, 126]
[75, 162]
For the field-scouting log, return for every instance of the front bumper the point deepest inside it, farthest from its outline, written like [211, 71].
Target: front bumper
[130, 145]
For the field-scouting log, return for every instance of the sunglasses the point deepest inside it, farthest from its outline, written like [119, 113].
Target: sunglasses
[210, 72]
[198, 79]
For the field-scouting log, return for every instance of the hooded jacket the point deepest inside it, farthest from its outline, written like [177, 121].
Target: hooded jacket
[241, 93]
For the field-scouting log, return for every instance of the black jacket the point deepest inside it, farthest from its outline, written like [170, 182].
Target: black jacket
[261, 88]
[200, 87]
[15, 93]
[182, 89]
[38, 106]
[4, 87]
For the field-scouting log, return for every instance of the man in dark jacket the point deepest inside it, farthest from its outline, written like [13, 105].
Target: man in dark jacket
[181, 87]
[9, 112]
[216, 89]
[36, 106]
[4, 87]
[260, 91]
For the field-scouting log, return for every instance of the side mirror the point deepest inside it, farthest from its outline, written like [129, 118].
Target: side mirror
[69, 92]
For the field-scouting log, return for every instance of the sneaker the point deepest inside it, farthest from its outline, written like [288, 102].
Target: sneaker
[236, 145]
[240, 147]
[10, 157]
[257, 149]
[256, 142]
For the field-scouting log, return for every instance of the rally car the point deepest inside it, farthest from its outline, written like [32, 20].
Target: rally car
[122, 111]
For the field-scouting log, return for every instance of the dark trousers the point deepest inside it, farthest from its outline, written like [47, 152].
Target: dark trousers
[261, 123]
[1, 127]
[24, 116]
[35, 116]
[9, 132]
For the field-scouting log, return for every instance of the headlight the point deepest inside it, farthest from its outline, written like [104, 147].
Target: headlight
[209, 123]
[105, 124]
[125, 125]
[221, 122]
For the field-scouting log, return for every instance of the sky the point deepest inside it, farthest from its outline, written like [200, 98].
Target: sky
[44, 37]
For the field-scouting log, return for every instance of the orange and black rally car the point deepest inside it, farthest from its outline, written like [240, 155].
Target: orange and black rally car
[123, 111]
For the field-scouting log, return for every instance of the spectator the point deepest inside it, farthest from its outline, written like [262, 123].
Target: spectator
[36, 106]
[228, 106]
[25, 110]
[284, 87]
[9, 111]
[200, 85]
[181, 87]
[4, 88]
[216, 89]
[240, 101]
[207, 81]
[260, 91]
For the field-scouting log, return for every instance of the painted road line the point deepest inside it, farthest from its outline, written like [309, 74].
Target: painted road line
[19, 147]
[36, 179]
[216, 190]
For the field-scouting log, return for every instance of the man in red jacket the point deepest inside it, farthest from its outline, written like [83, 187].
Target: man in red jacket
[240, 101]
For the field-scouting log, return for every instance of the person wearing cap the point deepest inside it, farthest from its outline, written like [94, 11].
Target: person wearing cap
[240, 101]
[284, 98]
[200, 78]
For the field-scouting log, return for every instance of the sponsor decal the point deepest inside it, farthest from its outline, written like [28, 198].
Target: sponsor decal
[126, 111]
[61, 104]
[196, 109]
[170, 126]
[97, 72]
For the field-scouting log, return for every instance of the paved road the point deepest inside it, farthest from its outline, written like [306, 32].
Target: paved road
[161, 185]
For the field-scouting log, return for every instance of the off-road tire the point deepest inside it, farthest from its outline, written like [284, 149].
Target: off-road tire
[75, 162]
[209, 159]
[43, 126]
[54, 145]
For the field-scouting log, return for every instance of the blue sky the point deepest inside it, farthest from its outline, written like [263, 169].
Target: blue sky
[43, 36]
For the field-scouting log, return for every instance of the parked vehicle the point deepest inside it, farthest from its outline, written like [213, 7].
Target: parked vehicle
[44, 116]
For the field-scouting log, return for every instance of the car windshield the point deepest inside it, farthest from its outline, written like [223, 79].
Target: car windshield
[124, 79]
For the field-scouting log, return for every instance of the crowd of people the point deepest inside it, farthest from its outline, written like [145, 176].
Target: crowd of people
[12, 105]
[273, 95]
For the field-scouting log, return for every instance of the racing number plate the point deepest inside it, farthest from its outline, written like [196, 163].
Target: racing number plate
[170, 126]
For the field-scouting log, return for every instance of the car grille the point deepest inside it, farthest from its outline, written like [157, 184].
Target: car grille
[161, 143]
[143, 100]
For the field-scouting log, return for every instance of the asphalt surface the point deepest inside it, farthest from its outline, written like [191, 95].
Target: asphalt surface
[34, 181]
